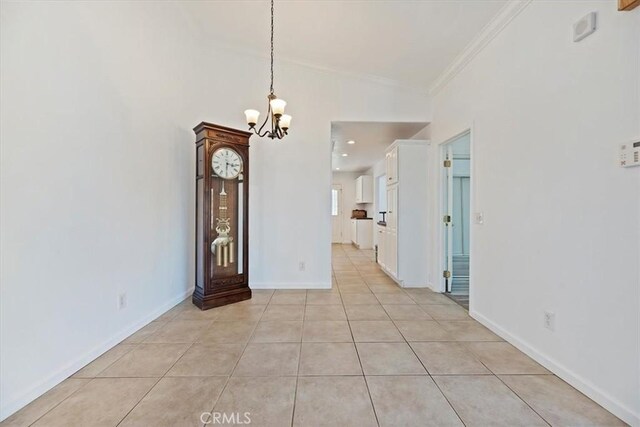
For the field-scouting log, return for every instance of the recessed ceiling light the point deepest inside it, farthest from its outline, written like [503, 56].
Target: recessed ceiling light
[344, 154]
[351, 142]
[337, 169]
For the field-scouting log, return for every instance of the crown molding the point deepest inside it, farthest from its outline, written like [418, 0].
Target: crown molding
[285, 60]
[484, 37]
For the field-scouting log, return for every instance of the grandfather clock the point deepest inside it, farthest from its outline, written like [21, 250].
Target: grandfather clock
[222, 216]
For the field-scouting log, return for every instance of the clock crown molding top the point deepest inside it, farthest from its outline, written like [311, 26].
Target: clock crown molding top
[208, 130]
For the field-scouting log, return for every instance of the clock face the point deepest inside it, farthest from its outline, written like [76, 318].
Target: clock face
[226, 163]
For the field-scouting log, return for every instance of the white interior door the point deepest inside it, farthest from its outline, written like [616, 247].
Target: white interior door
[456, 207]
[447, 217]
[336, 214]
[461, 215]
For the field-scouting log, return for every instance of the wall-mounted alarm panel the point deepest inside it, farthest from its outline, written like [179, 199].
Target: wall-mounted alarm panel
[630, 154]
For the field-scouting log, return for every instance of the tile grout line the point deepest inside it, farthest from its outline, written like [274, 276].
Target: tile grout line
[96, 377]
[91, 379]
[59, 403]
[161, 377]
[518, 396]
[434, 382]
[447, 399]
[364, 376]
[226, 384]
[295, 391]
[151, 388]
[422, 364]
[419, 360]
[368, 279]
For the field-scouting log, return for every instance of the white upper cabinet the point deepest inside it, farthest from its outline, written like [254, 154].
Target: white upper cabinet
[392, 166]
[364, 189]
[392, 207]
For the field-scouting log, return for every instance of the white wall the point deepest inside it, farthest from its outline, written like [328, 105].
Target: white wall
[562, 220]
[97, 106]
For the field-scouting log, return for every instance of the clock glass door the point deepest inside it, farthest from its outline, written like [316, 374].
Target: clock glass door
[227, 212]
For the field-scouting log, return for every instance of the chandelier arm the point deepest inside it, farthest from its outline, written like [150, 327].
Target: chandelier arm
[273, 123]
[266, 132]
[266, 119]
[276, 133]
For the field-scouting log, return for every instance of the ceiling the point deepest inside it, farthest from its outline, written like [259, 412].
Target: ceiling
[371, 141]
[408, 42]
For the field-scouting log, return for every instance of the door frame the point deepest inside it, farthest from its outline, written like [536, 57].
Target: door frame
[442, 208]
[341, 219]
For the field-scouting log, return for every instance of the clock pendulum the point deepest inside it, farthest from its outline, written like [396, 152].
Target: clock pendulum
[223, 246]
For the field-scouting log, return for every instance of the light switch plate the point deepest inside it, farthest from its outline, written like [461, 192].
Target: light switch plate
[630, 154]
[478, 217]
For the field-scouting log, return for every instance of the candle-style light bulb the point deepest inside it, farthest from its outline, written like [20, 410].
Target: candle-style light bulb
[285, 121]
[252, 117]
[277, 106]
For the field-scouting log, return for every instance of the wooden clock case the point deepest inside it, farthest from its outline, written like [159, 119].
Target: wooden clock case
[218, 285]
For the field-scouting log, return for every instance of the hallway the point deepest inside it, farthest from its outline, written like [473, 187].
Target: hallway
[365, 353]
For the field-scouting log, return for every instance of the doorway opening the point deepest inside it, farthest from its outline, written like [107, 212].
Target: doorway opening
[359, 163]
[456, 218]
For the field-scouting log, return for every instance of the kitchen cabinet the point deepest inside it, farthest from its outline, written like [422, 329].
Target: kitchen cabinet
[392, 208]
[388, 250]
[402, 244]
[392, 165]
[382, 250]
[364, 189]
[362, 233]
[391, 242]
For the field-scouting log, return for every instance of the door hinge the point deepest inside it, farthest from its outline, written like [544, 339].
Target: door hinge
[446, 274]
[446, 219]
[447, 163]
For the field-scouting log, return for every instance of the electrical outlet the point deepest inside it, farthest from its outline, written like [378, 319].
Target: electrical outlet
[550, 320]
[122, 301]
[301, 266]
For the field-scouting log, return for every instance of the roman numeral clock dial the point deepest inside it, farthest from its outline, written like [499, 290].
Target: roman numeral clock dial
[226, 163]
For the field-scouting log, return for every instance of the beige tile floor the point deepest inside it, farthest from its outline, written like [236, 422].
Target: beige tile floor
[364, 353]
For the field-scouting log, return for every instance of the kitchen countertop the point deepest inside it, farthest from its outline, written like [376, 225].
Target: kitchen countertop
[362, 218]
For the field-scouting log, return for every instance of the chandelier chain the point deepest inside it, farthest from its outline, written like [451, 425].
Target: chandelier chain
[272, 46]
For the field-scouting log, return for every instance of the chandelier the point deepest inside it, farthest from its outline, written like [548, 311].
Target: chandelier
[279, 121]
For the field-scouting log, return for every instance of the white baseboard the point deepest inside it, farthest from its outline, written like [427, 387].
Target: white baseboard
[584, 386]
[71, 368]
[414, 286]
[291, 285]
[435, 287]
